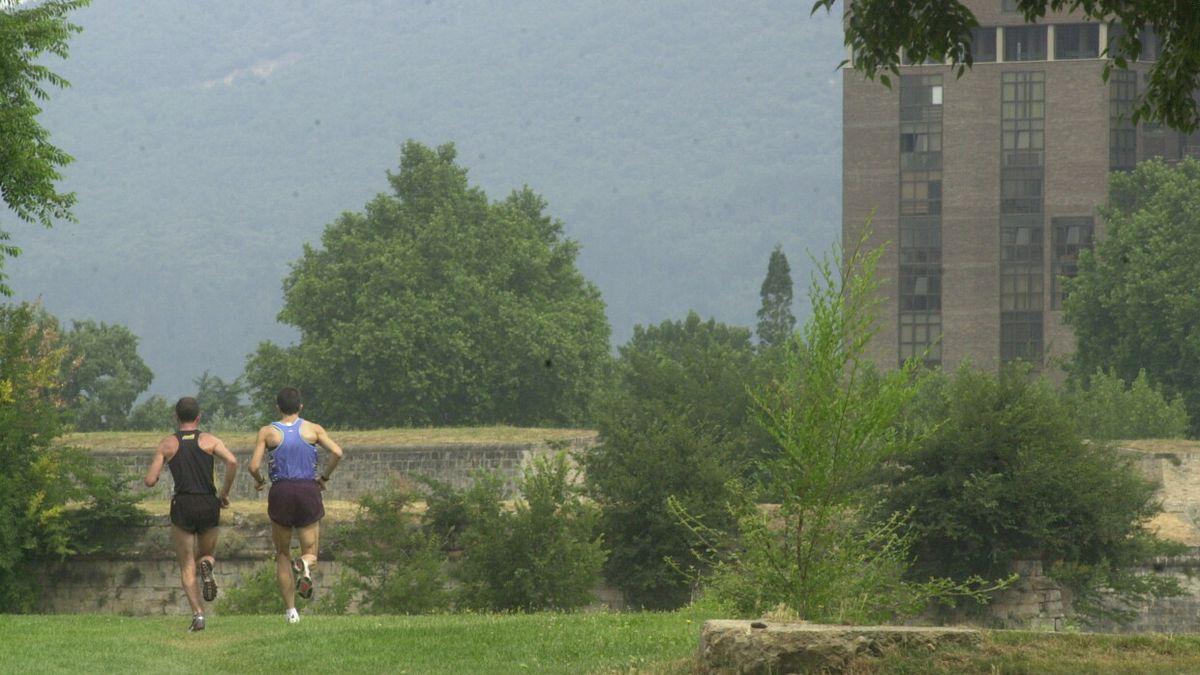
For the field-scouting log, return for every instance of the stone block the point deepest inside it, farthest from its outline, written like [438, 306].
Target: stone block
[737, 647]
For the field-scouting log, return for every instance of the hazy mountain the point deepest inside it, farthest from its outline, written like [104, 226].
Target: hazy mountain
[678, 141]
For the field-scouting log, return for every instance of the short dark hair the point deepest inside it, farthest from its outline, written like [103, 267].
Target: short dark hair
[288, 400]
[187, 409]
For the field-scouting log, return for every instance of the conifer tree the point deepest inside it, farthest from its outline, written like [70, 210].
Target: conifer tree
[775, 318]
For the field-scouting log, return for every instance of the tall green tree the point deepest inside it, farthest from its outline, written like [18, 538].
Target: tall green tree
[775, 319]
[103, 375]
[436, 306]
[221, 401]
[29, 163]
[1135, 303]
[876, 31]
[675, 423]
[835, 420]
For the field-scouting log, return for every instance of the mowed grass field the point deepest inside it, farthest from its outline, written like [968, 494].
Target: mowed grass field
[460, 643]
[533, 643]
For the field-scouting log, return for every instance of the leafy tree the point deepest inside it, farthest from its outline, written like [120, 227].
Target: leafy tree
[103, 375]
[876, 30]
[1003, 475]
[1105, 408]
[436, 306]
[154, 414]
[543, 554]
[29, 164]
[221, 403]
[54, 501]
[835, 421]
[1135, 303]
[775, 318]
[676, 423]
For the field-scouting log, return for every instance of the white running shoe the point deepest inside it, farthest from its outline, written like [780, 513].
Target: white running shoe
[292, 616]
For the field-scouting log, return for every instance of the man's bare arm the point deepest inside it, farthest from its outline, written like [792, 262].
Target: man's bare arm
[156, 465]
[335, 451]
[260, 449]
[231, 464]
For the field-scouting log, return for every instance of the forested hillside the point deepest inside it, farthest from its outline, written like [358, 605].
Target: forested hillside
[678, 141]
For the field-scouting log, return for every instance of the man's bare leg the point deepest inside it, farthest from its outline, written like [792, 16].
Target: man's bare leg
[185, 551]
[206, 545]
[282, 538]
[309, 536]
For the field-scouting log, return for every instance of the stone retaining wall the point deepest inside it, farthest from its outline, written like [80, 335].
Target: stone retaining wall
[369, 469]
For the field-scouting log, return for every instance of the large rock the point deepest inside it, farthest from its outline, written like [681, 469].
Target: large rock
[770, 647]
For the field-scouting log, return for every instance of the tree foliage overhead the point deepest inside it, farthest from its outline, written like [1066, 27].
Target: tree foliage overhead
[1135, 303]
[29, 163]
[876, 30]
[775, 319]
[436, 306]
[674, 424]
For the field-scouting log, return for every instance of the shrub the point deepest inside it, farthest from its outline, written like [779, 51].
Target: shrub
[543, 554]
[1106, 409]
[54, 502]
[1004, 476]
[393, 566]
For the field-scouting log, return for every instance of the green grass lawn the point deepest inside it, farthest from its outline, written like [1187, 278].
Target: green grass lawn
[535, 643]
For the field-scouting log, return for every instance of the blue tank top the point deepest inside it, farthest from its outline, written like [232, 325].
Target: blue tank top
[294, 458]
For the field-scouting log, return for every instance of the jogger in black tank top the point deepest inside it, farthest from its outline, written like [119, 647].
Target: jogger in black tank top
[195, 506]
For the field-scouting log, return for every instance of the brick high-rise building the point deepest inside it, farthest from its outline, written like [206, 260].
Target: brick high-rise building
[987, 186]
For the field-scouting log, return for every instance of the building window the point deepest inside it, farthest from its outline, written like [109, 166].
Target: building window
[1021, 337]
[1122, 133]
[920, 277]
[983, 44]
[1022, 180]
[1071, 236]
[1077, 41]
[1150, 45]
[1025, 43]
[921, 337]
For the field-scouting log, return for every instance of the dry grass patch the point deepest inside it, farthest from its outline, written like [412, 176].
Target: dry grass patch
[139, 441]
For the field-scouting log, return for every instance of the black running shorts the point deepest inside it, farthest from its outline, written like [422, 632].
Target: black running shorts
[295, 503]
[195, 513]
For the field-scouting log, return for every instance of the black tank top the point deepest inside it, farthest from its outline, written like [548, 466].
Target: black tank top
[191, 467]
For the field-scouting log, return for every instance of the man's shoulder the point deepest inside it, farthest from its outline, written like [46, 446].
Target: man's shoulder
[208, 439]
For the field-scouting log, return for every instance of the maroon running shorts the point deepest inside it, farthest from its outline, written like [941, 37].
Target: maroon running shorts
[295, 503]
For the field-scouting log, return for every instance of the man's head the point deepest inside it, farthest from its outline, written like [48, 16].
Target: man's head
[187, 410]
[288, 400]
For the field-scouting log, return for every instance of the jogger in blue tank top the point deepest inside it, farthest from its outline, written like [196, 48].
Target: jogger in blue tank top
[294, 502]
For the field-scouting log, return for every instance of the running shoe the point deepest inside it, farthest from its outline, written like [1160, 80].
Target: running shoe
[292, 615]
[207, 582]
[197, 623]
[304, 582]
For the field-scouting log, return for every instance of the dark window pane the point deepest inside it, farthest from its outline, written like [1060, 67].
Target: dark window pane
[1025, 43]
[983, 44]
[1150, 45]
[1077, 41]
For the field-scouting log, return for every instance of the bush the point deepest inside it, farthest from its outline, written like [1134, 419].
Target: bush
[1105, 408]
[1003, 476]
[54, 502]
[392, 565]
[258, 593]
[543, 554]
[676, 423]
